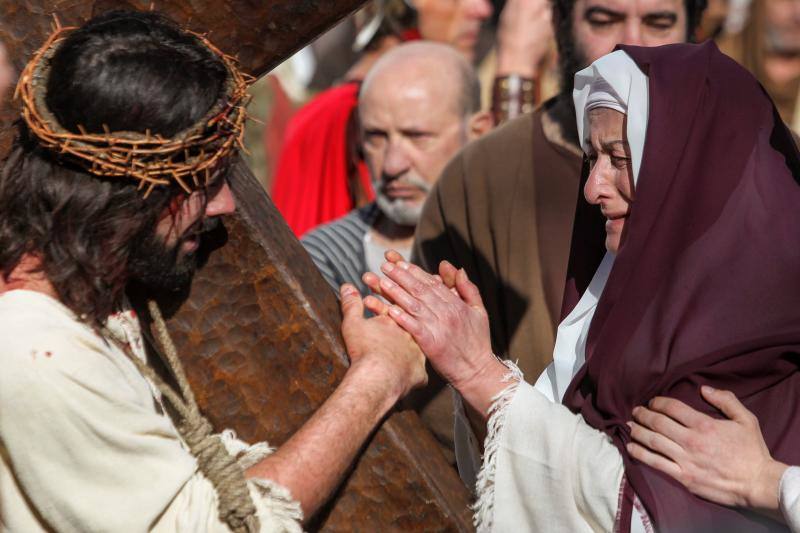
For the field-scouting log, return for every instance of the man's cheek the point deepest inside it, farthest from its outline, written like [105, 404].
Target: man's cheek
[596, 44]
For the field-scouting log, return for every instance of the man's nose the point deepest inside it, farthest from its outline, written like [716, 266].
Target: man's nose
[222, 203]
[396, 161]
[633, 32]
[479, 9]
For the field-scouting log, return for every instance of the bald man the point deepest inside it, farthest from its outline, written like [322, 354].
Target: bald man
[418, 105]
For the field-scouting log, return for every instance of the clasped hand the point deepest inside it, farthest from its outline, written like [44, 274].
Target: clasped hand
[446, 317]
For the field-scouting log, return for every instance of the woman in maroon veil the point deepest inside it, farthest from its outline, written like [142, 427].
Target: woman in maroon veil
[704, 290]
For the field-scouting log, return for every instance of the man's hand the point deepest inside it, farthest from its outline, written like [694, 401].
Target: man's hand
[386, 364]
[451, 326]
[725, 461]
[524, 37]
[379, 348]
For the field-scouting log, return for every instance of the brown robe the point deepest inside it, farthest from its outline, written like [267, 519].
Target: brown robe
[503, 210]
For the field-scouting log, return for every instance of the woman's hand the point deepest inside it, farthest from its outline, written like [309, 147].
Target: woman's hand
[379, 349]
[449, 324]
[725, 461]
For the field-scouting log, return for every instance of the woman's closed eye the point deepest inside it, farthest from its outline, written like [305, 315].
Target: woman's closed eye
[620, 161]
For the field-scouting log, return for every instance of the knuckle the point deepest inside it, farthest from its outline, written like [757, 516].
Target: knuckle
[416, 289]
[706, 426]
[414, 307]
[692, 443]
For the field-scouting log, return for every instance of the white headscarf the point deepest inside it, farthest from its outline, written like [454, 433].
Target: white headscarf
[614, 81]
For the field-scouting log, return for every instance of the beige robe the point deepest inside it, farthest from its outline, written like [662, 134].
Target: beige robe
[85, 444]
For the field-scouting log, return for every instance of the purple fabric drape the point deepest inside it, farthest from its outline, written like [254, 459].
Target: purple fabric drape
[706, 287]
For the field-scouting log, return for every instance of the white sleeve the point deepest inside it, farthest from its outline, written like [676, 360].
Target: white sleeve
[789, 497]
[545, 469]
[90, 451]
[195, 507]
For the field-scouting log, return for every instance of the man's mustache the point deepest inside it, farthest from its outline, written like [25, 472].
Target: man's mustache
[412, 181]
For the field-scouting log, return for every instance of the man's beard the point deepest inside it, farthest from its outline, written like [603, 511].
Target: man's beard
[158, 266]
[399, 210]
[571, 60]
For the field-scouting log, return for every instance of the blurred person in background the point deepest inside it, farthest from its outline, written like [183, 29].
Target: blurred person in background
[764, 36]
[321, 174]
[418, 106]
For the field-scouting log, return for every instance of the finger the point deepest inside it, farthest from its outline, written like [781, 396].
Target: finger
[654, 460]
[431, 280]
[677, 410]
[393, 256]
[448, 273]
[656, 442]
[376, 305]
[431, 295]
[660, 423]
[467, 290]
[373, 282]
[727, 402]
[401, 297]
[352, 306]
[413, 326]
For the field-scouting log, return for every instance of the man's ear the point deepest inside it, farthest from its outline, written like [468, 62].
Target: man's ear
[478, 124]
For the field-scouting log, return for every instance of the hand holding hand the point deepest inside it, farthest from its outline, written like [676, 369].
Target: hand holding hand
[451, 326]
[379, 348]
[524, 36]
[725, 461]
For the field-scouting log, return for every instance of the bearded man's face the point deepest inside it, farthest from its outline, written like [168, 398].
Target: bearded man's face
[167, 257]
[597, 26]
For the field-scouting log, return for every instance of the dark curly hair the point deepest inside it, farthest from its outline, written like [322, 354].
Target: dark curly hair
[562, 22]
[131, 72]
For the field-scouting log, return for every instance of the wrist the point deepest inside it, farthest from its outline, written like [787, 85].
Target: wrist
[376, 381]
[512, 96]
[762, 492]
[519, 64]
[480, 388]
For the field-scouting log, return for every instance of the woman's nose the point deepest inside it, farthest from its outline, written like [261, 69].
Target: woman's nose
[591, 191]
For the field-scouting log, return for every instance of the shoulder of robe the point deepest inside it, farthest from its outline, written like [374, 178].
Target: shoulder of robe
[42, 342]
[494, 160]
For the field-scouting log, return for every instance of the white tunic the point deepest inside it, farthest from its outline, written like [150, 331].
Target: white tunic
[84, 442]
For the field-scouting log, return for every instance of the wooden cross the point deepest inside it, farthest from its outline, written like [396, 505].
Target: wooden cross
[259, 329]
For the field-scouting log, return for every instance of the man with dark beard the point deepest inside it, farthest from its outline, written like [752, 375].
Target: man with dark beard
[503, 208]
[119, 167]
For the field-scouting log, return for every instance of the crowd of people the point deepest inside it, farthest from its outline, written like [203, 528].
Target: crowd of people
[581, 214]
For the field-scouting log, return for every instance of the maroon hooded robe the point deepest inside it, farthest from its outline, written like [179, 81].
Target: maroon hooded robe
[706, 286]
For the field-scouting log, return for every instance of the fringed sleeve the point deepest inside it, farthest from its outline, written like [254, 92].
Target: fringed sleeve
[543, 467]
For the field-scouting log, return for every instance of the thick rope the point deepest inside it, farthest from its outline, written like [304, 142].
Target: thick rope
[235, 506]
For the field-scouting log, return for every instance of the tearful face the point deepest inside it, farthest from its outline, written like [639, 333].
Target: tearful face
[610, 182]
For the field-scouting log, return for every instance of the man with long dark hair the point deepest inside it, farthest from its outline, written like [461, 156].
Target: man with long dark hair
[119, 169]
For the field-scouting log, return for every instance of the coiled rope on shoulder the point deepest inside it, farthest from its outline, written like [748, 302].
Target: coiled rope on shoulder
[235, 505]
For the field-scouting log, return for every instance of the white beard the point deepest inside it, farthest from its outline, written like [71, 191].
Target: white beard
[400, 211]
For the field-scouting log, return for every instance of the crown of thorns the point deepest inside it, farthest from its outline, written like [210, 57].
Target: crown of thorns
[189, 158]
